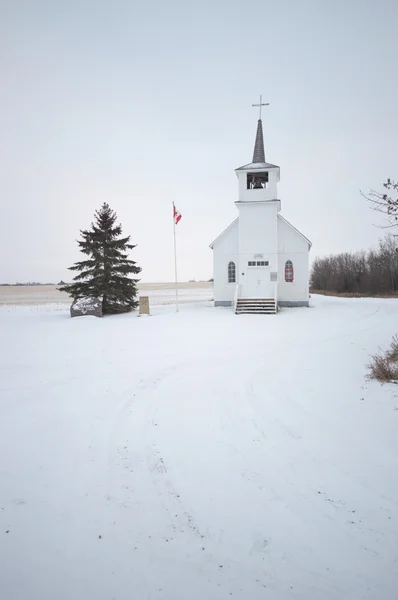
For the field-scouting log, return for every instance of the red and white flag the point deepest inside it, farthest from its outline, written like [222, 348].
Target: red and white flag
[177, 215]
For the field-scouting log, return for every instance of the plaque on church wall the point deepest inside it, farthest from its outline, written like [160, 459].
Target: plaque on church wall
[144, 306]
[274, 276]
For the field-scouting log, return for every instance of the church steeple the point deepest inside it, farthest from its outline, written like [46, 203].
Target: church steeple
[258, 153]
[258, 180]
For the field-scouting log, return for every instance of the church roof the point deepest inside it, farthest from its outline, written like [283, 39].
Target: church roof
[258, 161]
[258, 152]
[279, 217]
[224, 231]
[294, 228]
[255, 165]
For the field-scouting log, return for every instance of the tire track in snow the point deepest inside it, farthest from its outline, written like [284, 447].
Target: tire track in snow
[127, 441]
[181, 519]
[140, 411]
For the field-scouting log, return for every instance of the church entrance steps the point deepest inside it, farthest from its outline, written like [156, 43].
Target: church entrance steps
[262, 306]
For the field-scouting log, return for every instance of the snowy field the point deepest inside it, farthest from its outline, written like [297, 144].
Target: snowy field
[199, 455]
[159, 293]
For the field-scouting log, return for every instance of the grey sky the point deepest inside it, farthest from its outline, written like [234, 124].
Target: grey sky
[142, 103]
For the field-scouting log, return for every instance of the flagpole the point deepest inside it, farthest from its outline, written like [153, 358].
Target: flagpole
[175, 257]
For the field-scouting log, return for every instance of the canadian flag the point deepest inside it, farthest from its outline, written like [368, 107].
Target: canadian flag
[177, 215]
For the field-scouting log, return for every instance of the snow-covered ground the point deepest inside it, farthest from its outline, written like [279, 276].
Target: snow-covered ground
[198, 455]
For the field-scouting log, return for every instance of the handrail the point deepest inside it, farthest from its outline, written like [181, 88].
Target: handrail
[236, 296]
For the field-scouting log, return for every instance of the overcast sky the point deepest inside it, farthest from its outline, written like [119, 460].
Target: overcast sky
[140, 103]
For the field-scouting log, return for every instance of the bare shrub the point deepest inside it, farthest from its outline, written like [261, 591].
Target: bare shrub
[392, 352]
[382, 368]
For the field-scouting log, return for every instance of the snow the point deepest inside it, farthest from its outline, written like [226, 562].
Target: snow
[198, 455]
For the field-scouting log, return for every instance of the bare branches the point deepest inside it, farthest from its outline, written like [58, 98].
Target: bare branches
[386, 203]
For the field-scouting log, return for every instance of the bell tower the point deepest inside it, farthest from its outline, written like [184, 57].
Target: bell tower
[258, 207]
[258, 180]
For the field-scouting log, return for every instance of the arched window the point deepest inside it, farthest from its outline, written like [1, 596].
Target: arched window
[231, 272]
[289, 271]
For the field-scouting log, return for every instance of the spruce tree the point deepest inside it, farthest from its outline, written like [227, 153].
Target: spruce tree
[105, 273]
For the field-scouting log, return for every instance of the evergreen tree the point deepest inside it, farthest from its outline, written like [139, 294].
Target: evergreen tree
[105, 273]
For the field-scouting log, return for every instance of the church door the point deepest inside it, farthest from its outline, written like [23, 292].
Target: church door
[258, 283]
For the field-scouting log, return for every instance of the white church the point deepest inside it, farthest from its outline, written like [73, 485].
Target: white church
[261, 262]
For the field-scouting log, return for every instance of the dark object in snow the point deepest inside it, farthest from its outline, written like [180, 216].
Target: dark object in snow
[86, 306]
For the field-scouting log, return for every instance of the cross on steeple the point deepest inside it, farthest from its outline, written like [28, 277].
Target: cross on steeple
[261, 104]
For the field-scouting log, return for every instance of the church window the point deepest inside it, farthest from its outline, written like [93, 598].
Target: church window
[258, 263]
[231, 272]
[289, 271]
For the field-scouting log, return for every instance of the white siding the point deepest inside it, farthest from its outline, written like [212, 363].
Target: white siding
[225, 249]
[257, 228]
[292, 246]
[257, 236]
[261, 231]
